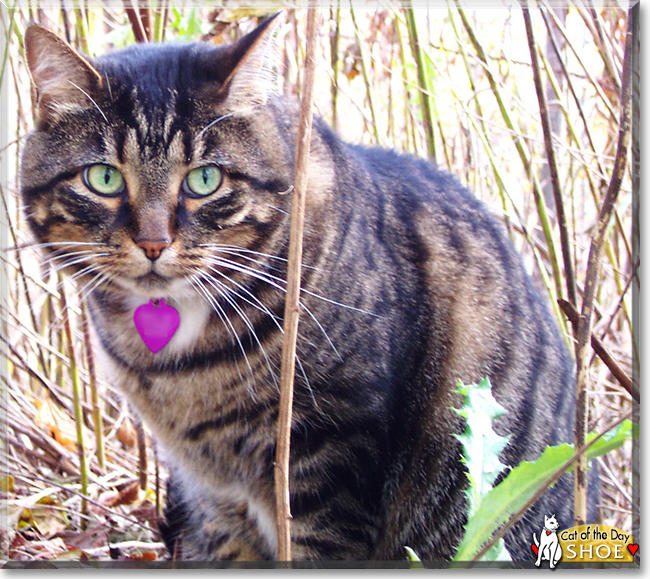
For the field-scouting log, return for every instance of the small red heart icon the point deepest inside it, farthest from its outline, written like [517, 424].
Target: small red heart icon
[536, 550]
[633, 548]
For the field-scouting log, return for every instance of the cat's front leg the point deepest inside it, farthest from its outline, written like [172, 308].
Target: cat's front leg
[330, 523]
[223, 532]
[556, 555]
[202, 526]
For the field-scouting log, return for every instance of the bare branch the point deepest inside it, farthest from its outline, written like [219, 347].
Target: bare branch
[585, 322]
[600, 350]
[550, 157]
[292, 305]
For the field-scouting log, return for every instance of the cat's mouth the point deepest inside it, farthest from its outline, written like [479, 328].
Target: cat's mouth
[153, 280]
[153, 285]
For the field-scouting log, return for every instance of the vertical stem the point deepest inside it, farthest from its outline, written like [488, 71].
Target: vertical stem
[159, 21]
[142, 454]
[5, 55]
[82, 30]
[292, 305]
[94, 395]
[76, 401]
[136, 22]
[335, 15]
[483, 132]
[550, 157]
[366, 76]
[145, 17]
[66, 23]
[427, 115]
[159, 511]
[521, 150]
[583, 352]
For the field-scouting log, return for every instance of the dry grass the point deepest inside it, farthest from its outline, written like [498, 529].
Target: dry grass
[470, 104]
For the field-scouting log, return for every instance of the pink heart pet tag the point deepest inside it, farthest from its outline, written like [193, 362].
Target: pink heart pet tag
[156, 323]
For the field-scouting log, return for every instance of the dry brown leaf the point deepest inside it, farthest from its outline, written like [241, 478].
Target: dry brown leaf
[128, 495]
[47, 518]
[38, 550]
[145, 513]
[57, 423]
[142, 556]
[106, 499]
[237, 14]
[126, 433]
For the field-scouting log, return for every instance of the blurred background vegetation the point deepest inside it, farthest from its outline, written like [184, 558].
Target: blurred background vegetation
[81, 478]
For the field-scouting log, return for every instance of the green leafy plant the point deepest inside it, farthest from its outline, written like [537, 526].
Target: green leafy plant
[491, 508]
[482, 447]
[413, 559]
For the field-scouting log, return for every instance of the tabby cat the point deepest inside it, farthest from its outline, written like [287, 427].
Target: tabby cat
[161, 172]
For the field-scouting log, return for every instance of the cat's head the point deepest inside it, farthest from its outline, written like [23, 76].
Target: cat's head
[551, 523]
[145, 161]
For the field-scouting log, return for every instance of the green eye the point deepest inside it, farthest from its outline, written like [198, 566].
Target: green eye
[203, 181]
[104, 180]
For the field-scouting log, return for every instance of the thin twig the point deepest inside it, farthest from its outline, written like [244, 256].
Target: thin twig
[84, 497]
[76, 401]
[142, 454]
[550, 157]
[92, 381]
[133, 14]
[335, 22]
[292, 305]
[145, 17]
[593, 266]
[427, 116]
[23, 276]
[366, 77]
[618, 372]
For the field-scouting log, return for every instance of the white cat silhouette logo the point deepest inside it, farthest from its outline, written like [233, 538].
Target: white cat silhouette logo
[548, 547]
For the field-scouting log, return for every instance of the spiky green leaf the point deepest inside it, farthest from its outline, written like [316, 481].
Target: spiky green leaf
[414, 560]
[523, 482]
[481, 445]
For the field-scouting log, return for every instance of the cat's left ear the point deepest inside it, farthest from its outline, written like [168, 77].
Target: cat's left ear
[247, 66]
[64, 80]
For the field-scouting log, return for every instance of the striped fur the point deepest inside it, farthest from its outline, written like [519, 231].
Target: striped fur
[409, 286]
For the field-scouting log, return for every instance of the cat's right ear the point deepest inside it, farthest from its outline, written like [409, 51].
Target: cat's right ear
[245, 68]
[63, 79]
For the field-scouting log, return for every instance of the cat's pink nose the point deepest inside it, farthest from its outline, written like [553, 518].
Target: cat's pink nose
[153, 249]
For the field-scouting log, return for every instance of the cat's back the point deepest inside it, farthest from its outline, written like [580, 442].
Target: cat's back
[487, 312]
[479, 315]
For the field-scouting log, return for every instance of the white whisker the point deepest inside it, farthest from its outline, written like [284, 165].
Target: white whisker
[224, 293]
[264, 309]
[90, 99]
[229, 326]
[57, 267]
[53, 244]
[53, 257]
[264, 277]
[221, 118]
[280, 280]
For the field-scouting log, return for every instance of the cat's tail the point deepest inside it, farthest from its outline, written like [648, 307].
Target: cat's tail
[535, 539]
